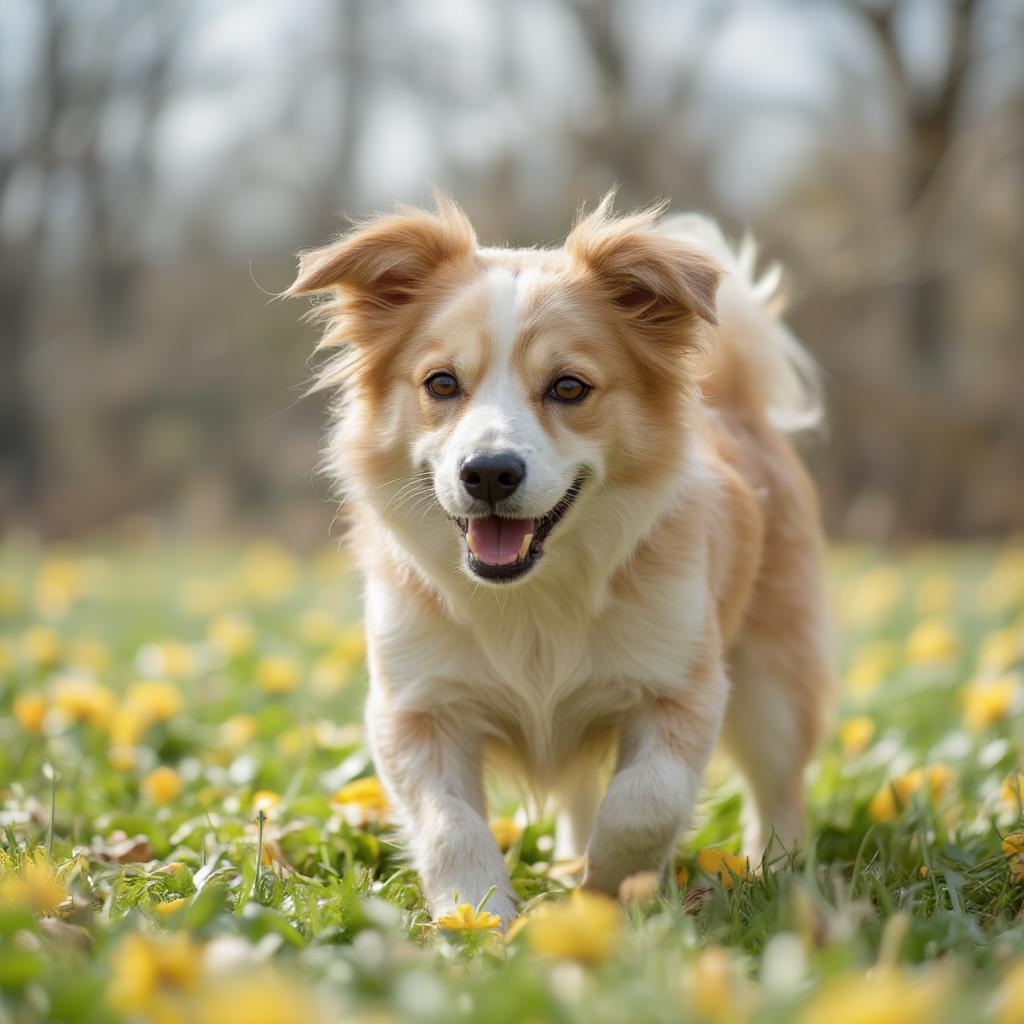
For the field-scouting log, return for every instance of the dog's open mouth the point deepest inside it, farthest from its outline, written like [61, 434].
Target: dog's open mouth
[500, 548]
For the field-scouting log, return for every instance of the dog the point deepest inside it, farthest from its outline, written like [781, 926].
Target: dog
[587, 541]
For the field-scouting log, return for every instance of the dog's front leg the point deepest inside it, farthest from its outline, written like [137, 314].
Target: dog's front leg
[432, 771]
[663, 750]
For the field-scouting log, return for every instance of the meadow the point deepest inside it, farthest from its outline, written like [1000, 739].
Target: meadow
[191, 830]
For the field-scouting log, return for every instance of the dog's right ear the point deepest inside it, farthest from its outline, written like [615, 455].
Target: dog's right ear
[387, 261]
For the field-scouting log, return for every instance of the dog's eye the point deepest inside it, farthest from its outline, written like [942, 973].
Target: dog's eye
[568, 389]
[442, 385]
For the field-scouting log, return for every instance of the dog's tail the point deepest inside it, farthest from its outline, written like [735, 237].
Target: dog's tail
[755, 359]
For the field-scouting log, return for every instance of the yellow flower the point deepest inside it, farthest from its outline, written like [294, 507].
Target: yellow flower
[935, 594]
[874, 596]
[725, 866]
[59, 584]
[350, 646]
[258, 999]
[1013, 843]
[277, 674]
[127, 724]
[237, 730]
[506, 831]
[1003, 588]
[37, 888]
[872, 663]
[168, 908]
[363, 800]
[41, 647]
[466, 919]
[585, 927]
[1009, 1001]
[269, 573]
[882, 996]
[149, 975]
[80, 699]
[932, 641]
[1013, 788]
[1001, 649]
[162, 785]
[170, 658]
[894, 796]
[714, 990]
[316, 627]
[265, 800]
[29, 711]
[89, 654]
[158, 700]
[987, 701]
[122, 759]
[856, 733]
[231, 634]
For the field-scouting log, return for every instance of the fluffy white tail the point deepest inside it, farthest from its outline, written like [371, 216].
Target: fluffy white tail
[754, 351]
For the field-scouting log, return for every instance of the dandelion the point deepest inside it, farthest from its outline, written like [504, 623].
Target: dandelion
[883, 996]
[231, 634]
[41, 647]
[726, 867]
[894, 796]
[1012, 789]
[714, 990]
[157, 700]
[168, 908]
[935, 594]
[162, 785]
[586, 927]
[277, 674]
[362, 801]
[855, 734]
[58, 585]
[81, 699]
[1001, 649]
[170, 658]
[122, 758]
[1009, 999]
[265, 998]
[988, 701]
[316, 627]
[874, 596]
[932, 641]
[465, 918]
[37, 888]
[89, 654]
[237, 730]
[269, 573]
[506, 832]
[265, 800]
[350, 646]
[872, 663]
[1013, 847]
[150, 975]
[29, 711]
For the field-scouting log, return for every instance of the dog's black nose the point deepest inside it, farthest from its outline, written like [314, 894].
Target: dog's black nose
[491, 476]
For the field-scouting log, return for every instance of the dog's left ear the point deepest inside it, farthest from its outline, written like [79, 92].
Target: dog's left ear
[386, 261]
[654, 279]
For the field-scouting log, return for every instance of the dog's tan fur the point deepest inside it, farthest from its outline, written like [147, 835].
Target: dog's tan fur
[690, 563]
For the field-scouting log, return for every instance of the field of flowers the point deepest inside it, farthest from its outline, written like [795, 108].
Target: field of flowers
[191, 831]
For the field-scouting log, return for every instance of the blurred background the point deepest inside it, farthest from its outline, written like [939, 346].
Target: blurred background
[161, 163]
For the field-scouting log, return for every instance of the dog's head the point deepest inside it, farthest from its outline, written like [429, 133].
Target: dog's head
[515, 386]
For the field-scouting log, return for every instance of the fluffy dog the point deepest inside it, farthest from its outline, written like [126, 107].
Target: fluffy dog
[586, 539]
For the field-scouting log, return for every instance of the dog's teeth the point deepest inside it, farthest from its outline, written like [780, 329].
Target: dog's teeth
[469, 543]
[525, 546]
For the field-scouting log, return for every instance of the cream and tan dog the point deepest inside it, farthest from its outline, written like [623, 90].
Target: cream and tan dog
[586, 539]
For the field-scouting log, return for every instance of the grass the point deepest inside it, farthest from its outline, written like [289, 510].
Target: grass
[190, 829]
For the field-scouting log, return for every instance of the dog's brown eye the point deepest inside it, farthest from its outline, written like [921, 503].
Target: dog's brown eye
[442, 385]
[568, 389]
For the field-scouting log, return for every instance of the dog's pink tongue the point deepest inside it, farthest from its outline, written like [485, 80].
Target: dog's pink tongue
[497, 541]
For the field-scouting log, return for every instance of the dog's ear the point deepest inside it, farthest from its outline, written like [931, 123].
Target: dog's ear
[386, 261]
[655, 279]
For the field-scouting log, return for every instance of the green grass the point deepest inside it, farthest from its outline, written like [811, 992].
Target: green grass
[904, 905]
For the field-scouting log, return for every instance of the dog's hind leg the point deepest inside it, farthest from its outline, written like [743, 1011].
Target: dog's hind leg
[774, 720]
